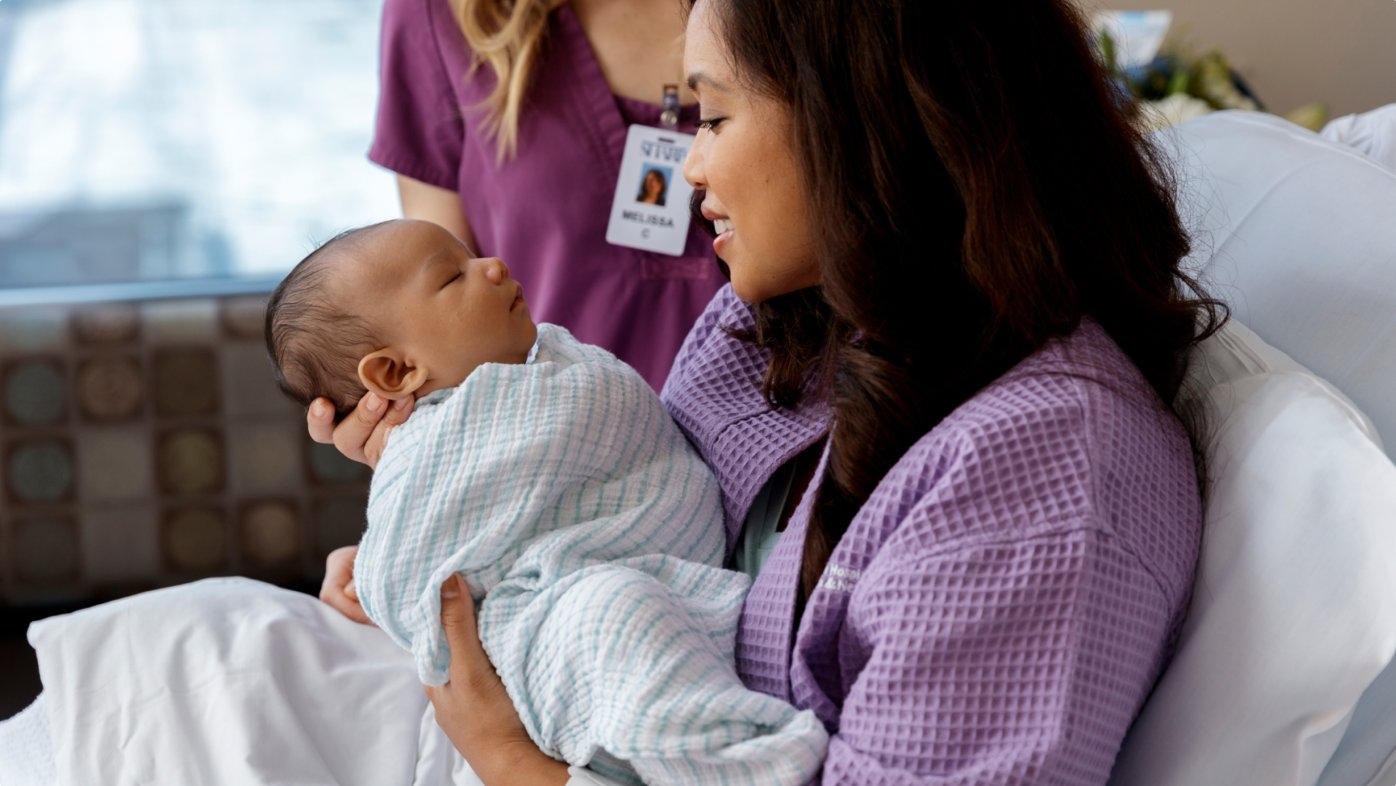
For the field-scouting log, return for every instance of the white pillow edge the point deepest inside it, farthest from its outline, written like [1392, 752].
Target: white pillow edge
[1379, 650]
[1239, 339]
[1301, 135]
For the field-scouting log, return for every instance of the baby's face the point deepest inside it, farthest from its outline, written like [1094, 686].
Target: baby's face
[434, 305]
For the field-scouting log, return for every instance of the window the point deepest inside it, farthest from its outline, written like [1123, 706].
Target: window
[147, 141]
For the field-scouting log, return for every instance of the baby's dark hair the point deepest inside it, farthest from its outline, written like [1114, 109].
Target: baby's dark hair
[314, 344]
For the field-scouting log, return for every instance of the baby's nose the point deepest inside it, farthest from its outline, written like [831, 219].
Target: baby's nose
[495, 270]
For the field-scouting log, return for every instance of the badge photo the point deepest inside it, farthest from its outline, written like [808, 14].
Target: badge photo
[650, 208]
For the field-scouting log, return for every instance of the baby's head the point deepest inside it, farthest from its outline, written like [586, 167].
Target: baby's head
[398, 308]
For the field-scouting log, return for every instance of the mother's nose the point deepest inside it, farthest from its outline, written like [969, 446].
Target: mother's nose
[693, 164]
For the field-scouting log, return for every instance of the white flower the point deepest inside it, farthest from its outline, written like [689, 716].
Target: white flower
[1175, 109]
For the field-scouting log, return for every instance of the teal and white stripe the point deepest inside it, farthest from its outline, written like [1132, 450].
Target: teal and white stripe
[563, 492]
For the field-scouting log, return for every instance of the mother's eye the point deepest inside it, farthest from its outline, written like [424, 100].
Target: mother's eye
[710, 123]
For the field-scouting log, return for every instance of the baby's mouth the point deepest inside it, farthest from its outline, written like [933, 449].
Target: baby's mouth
[518, 298]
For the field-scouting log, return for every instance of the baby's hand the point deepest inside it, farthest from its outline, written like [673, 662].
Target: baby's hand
[362, 435]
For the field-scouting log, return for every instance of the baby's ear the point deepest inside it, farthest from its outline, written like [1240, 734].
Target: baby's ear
[387, 373]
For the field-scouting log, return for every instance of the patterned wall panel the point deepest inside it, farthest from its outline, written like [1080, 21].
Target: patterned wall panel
[145, 444]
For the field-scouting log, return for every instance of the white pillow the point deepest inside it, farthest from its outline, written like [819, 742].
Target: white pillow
[1373, 134]
[1298, 234]
[1367, 754]
[1294, 609]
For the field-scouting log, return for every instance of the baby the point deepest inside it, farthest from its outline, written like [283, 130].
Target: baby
[548, 473]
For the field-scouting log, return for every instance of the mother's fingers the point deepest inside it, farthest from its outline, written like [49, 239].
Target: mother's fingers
[352, 434]
[474, 708]
[469, 663]
[319, 421]
[378, 440]
[363, 435]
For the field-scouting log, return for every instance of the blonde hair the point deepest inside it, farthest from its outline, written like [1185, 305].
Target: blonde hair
[506, 35]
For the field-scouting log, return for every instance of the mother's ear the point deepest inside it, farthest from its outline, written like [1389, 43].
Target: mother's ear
[390, 375]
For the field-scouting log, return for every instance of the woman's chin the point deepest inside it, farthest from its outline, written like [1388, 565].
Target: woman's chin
[755, 292]
[746, 290]
[745, 296]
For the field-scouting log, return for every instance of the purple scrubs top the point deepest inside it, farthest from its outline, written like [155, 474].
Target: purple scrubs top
[1001, 605]
[545, 211]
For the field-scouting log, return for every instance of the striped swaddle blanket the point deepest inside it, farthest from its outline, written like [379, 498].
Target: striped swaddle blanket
[569, 500]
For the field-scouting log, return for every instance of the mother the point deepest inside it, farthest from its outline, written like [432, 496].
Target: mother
[937, 385]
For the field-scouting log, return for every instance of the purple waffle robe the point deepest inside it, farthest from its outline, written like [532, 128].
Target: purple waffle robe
[545, 211]
[1000, 608]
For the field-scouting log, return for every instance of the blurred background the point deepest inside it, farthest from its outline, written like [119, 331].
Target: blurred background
[145, 140]
[1339, 53]
[162, 164]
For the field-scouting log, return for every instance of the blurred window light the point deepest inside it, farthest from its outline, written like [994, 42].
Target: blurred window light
[144, 142]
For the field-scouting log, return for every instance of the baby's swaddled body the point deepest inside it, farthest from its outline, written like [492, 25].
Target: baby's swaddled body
[563, 492]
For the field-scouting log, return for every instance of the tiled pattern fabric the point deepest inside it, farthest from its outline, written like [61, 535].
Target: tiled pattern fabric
[144, 444]
[1001, 605]
[563, 493]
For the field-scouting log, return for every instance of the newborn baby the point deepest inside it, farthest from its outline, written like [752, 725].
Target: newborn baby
[548, 473]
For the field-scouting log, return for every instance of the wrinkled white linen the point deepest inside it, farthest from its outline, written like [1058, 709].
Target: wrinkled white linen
[1373, 134]
[232, 681]
[26, 755]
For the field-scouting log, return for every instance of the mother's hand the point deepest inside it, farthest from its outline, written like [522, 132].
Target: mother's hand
[338, 587]
[363, 435]
[474, 709]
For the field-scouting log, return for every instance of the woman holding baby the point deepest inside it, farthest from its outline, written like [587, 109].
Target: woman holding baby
[934, 394]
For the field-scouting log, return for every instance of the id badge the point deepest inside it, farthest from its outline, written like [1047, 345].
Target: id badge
[650, 209]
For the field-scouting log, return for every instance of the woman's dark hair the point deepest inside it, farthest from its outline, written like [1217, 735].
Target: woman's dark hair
[978, 186]
[663, 186]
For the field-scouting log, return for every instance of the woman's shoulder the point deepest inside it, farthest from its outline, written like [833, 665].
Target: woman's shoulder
[1083, 377]
[1072, 439]
[413, 22]
[421, 40]
[426, 22]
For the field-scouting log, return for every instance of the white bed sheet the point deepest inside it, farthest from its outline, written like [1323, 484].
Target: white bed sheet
[225, 681]
[26, 754]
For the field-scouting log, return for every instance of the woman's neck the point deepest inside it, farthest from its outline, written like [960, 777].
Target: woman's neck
[638, 44]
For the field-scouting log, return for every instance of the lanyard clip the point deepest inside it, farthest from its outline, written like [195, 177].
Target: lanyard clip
[669, 118]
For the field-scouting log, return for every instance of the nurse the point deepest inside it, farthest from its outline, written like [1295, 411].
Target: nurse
[509, 123]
